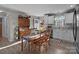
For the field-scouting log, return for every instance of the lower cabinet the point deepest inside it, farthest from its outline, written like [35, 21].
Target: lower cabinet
[63, 34]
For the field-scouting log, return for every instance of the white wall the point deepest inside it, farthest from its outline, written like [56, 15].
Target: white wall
[9, 22]
[12, 22]
[4, 27]
[11, 25]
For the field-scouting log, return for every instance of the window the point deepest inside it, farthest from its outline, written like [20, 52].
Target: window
[59, 21]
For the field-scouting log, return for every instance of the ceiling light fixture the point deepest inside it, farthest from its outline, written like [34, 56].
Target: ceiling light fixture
[72, 6]
[1, 11]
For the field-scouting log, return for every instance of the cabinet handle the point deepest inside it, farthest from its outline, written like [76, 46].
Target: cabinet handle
[74, 25]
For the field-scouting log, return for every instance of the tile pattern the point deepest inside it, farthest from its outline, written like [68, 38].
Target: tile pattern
[57, 46]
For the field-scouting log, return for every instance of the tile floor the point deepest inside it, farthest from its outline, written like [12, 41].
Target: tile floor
[56, 47]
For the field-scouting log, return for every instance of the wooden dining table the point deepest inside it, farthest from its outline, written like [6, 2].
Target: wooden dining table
[35, 39]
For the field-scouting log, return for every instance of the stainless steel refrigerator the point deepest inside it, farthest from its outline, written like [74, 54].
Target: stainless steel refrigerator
[76, 30]
[75, 26]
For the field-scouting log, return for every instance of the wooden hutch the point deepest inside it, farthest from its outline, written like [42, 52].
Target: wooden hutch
[23, 25]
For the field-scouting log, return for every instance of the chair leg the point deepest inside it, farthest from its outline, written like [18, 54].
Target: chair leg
[28, 47]
[47, 46]
[22, 45]
[39, 49]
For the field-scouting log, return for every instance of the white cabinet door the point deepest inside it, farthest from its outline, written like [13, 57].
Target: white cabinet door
[51, 20]
[69, 18]
[63, 34]
[57, 33]
[68, 35]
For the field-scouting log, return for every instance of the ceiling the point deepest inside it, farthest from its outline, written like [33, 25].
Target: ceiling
[39, 9]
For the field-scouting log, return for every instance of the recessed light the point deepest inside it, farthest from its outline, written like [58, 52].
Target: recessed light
[72, 6]
[1, 11]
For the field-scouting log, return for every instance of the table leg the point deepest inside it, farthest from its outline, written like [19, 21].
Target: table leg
[21, 44]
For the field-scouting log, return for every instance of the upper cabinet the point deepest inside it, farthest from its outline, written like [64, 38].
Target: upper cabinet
[49, 19]
[69, 18]
[23, 21]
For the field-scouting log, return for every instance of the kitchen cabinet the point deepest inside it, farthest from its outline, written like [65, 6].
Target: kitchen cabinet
[49, 19]
[23, 22]
[69, 18]
[63, 34]
[23, 26]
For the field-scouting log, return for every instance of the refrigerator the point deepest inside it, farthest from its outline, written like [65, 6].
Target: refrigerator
[76, 30]
[75, 27]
